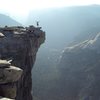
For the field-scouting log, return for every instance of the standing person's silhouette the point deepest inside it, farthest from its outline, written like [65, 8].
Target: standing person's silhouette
[37, 23]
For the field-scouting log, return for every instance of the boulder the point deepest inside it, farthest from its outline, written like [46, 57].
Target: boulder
[11, 74]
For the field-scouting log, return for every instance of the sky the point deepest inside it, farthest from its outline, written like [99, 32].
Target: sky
[18, 8]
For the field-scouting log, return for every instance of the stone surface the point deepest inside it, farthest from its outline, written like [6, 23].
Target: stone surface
[8, 90]
[1, 35]
[22, 48]
[80, 71]
[8, 76]
[2, 98]
[4, 64]
[11, 74]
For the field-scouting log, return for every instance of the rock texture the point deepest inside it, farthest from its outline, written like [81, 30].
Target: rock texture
[20, 45]
[1, 98]
[80, 71]
[8, 73]
[8, 76]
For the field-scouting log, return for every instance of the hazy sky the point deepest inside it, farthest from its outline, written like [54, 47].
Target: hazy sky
[23, 7]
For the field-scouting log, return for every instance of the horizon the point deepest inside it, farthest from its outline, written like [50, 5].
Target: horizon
[20, 10]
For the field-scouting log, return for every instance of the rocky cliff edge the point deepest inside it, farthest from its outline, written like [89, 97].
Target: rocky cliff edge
[18, 48]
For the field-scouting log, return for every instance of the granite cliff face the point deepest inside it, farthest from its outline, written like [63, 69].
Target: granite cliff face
[80, 71]
[9, 75]
[20, 45]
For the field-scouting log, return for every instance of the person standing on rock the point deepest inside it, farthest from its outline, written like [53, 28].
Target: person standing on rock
[37, 23]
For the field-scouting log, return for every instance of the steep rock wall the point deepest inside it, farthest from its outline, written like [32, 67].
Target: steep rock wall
[21, 45]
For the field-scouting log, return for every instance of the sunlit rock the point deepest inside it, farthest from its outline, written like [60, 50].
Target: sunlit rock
[3, 98]
[10, 74]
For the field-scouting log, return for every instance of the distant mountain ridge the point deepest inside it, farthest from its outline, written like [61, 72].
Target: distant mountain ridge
[6, 20]
[80, 70]
[65, 26]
